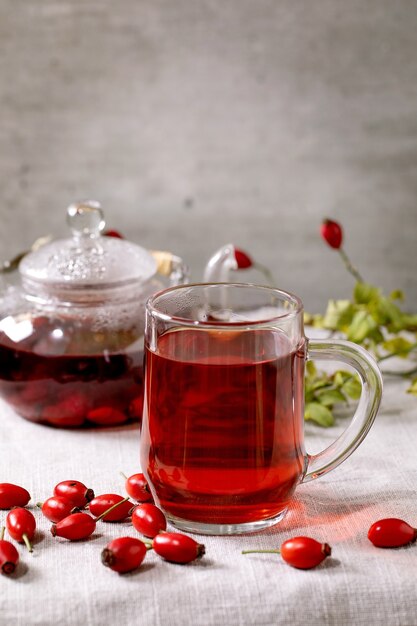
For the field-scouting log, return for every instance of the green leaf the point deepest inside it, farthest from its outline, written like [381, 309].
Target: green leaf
[362, 326]
[311, 369]
[409, 322]
[397, 294]
[364, 293]
[338, 315]
[340, 377]
[308, 319]
[389, 314]
[413, 388]
[353, 388]
[398, 346]
[321, 383]
[330, 397]
[318, 413]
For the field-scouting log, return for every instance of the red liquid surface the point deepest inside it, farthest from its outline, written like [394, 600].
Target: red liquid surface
[222, 433]
[69, 390]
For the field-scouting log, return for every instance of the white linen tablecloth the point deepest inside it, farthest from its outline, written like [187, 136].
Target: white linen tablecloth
[65, 583]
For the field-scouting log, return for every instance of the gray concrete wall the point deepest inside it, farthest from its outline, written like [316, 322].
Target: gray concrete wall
[197, 123]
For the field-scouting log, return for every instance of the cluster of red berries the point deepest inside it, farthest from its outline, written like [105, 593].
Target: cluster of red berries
[66, 509]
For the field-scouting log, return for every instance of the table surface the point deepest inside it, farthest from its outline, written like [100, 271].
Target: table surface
[65, 583]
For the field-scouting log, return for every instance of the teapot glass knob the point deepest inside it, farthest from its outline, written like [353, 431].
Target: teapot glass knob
[86, 219]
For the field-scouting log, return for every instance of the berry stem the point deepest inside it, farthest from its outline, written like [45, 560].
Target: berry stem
[398, 353]
[124, 475]
[110, 509]
[27, 542]
[261, 551]
[3, 528]
[350, 268]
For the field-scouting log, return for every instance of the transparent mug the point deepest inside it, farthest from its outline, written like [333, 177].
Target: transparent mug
[222, 440]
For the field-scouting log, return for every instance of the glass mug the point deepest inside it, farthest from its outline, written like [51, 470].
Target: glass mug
[222, 433]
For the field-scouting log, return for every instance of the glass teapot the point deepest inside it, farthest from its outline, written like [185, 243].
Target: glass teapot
[71, 334]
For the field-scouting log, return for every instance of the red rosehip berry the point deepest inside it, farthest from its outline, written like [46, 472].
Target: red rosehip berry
[332, 233]
[74, 491]
[124, 554]
[391, 533]
[148, 519]
[304, 552]
[68, 412]
[9, 556]
[106, 416]
[113, 233]
[74, 527]
[13, 495]
[135, 408]
[300, 552]
[243, 260]
[56, 508]
[101, 504]
[21, 526]
[137, 487]
[177, 548]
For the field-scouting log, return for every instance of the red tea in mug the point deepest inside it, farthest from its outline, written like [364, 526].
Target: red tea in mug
[222, 437]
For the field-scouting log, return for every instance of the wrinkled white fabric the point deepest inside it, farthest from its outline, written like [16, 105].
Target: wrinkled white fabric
[65, 583]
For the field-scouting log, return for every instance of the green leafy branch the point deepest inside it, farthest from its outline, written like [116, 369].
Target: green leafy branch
[370, 319]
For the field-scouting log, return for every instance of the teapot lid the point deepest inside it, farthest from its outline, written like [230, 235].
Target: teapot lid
[87, 260]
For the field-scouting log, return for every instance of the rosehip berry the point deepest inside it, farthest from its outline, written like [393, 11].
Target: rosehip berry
[21, 526]
[135, 408]
[68, 412]
[332, 233]
[124, 554]
[56, 508]
[13, 495]
[74, 527]
[137, 487]
[391, 533]
[300, 552]
[101, 504]
[177, 548]
[113, 233]
[243, 260]
[9, 556]
[148, 519]
[106, 416]
[74, 491]
[304, 552]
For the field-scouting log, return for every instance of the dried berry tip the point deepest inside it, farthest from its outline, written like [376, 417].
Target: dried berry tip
[326, 549]
[89, 495]
[201, 550]
[107, 557]
[8, 567]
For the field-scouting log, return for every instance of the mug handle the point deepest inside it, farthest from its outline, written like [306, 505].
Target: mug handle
[371, 379]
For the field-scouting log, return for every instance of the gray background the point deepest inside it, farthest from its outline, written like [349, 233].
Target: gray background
[198, 123]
